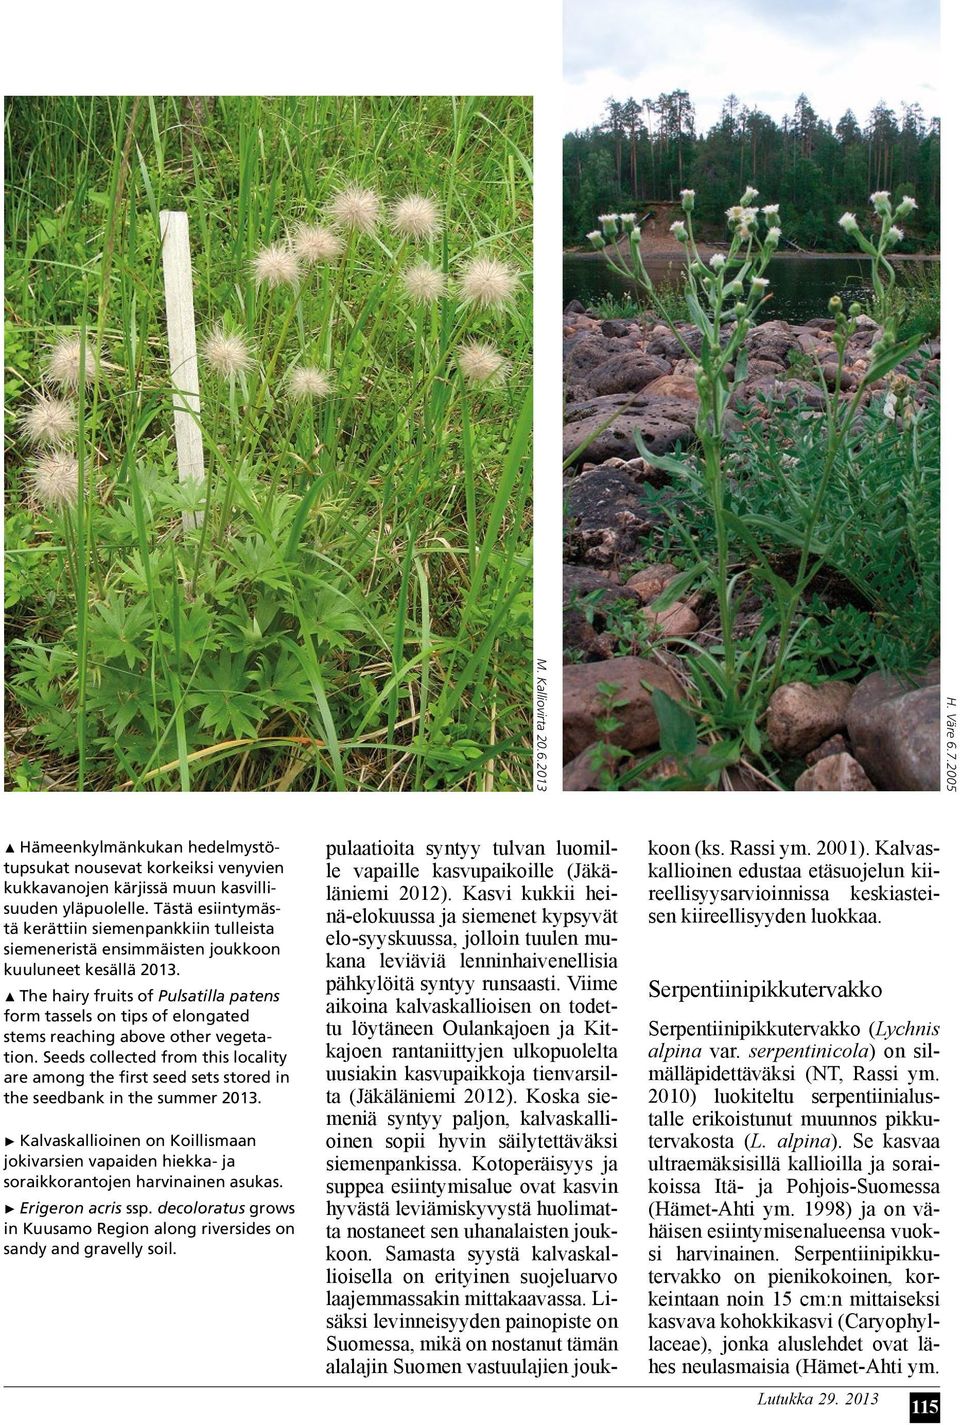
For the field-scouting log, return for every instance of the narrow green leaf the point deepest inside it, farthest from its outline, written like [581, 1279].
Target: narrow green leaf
[307, 658]
[678, 587]
[667, 463]
[301, 517]
[678, 730]
[697, 315]
[426, 649]
[893, 358]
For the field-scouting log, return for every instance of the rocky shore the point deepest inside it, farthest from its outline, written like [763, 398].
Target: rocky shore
[630, 377]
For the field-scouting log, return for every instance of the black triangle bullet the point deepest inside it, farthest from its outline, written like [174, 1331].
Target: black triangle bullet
[9, 850]
[7, 1142]
[8, 1208]
[9, 998]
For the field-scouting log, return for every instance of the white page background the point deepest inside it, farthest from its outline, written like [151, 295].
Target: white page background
[254, 1311]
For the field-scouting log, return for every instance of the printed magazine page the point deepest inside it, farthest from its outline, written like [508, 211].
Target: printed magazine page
[449, 421]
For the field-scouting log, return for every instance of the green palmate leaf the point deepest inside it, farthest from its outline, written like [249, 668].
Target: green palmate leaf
[259, 561]
[117, 630]
[678, 730]
[218, 696]
[193, 637]
[667, 463]
[281, 681]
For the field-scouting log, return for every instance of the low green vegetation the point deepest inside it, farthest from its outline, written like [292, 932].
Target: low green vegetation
[812, 535]
[619, 306]
[345, 602]
[915, 301]
[875, 603]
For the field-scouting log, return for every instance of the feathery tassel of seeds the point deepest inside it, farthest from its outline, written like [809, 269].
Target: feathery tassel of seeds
[49, 421]
[53, 480]
[356, 209]
[276, 266]
[488, 283]
[424, 284]
[309, 383]
[227, 355]
[481, 364]
[315, 245]
[63, 363]
[415, 217]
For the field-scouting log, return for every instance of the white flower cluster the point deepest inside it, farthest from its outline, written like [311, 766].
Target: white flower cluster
[613, 225]
[890, 232]
[744, 219]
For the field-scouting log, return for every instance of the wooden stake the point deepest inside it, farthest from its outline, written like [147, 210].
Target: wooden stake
[182, 339]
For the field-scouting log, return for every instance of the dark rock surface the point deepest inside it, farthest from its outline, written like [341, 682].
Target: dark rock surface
[577, 580]
[587, 595]
[583, 773]
[626, 371]
[619, 328]
[583, 703]
[837, 773]
[661, 424]
[772, 341]
[894, 730]
[802, 715]
[605, 516]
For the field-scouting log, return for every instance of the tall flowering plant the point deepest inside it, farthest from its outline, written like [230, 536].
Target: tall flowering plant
[724, 295]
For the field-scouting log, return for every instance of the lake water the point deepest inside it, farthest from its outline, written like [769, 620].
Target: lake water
[801, 287]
